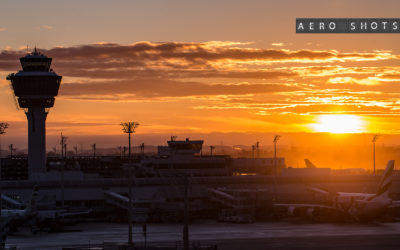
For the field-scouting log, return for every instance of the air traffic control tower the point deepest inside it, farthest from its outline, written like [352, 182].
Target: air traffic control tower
[35, 86]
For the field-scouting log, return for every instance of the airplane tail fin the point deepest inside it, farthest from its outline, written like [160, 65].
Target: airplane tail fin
[386, 180]
[309, 164]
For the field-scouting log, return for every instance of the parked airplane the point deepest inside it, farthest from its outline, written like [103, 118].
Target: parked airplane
[10, 216]
[37, 218]
[11, 219]
[358, 206]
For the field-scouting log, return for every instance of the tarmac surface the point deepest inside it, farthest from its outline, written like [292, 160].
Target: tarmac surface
[260, 235]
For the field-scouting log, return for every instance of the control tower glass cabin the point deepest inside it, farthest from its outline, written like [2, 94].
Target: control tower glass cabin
[35, 87]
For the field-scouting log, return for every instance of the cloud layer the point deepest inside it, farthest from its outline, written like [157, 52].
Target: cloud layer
[228, 76]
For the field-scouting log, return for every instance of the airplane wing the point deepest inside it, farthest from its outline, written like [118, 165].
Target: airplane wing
[355, 194]
[301, 205]
[319, 190]
[304, 210]
[54, 214]
[70, 214]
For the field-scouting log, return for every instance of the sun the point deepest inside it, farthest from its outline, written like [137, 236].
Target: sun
[339, 124]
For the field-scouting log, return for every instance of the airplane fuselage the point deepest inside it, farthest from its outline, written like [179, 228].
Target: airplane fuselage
[369, 209]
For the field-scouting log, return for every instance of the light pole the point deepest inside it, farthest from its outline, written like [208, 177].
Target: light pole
[211, 150]
[63, 146]
[129, 128]
[276, 139]
[186, 214]
[142, 148]
[11, 147]
[258, 149]
[94, 150]
[63, 162]
[124, 152]
[374, 139]
[120, 151]
[3, 127]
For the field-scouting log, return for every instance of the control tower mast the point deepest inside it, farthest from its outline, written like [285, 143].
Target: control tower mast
[35, 87]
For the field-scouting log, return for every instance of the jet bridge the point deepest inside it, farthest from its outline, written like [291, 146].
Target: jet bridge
[239, 198]
[139, 214]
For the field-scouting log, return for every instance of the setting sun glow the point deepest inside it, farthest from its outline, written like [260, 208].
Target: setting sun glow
[339, 124]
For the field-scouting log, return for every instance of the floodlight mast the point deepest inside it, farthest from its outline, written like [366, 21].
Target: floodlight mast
[374, 139]
[129, 128]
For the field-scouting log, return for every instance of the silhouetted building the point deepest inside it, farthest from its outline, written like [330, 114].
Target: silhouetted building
[184, 157]
[14, 168]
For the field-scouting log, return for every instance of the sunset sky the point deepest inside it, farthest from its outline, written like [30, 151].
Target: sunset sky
[206, 68]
